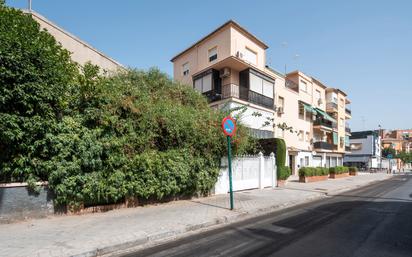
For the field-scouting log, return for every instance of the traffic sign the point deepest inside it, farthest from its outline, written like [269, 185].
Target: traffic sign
[229, 126]
[229, 129]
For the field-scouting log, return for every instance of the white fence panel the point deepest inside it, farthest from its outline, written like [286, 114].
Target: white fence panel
[248, 172]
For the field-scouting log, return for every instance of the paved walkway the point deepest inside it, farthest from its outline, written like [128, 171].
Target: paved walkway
[101, 233]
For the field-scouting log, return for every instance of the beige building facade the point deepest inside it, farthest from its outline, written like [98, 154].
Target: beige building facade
[228, 66]
[81, 52]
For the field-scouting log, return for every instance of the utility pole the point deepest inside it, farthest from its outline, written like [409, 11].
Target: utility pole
[380, 143]
[29, 5]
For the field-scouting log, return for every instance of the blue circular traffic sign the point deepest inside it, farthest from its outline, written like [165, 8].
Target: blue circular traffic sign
[229, 126]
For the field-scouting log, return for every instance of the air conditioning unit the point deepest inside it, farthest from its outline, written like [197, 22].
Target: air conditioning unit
[280, 110]
[239, 54]
[225, 72]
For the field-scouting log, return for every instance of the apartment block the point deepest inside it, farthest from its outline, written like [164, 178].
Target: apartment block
[228, 66]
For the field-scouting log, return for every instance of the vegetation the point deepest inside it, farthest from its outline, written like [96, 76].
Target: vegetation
[405, 157]
[312, 171]
[338, 169]
[388, 151]
[353, 169]
[280, 152]
[283, 172]
[100, 139]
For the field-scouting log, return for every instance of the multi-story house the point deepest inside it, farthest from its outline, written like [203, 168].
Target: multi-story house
[400, 140]
[229, 67]
[365, 150]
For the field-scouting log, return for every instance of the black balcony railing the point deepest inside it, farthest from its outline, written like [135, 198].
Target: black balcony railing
[347, 129]
[325, 123]
[331, 105]
[348, 111]
[256, 98]
[213, 96]
[347, 148]
[323, 145]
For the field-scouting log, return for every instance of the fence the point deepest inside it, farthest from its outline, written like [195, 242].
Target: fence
[248, 172]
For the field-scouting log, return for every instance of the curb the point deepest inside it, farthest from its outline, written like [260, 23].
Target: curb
[227, 219]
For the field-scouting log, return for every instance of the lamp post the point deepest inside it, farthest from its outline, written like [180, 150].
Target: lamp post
[380, 144]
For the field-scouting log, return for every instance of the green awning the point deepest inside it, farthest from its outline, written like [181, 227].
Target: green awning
[325, 115]
[309, 108]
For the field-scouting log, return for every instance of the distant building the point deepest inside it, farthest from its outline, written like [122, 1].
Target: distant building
[81, 52]
[400, 140]
[365, 150]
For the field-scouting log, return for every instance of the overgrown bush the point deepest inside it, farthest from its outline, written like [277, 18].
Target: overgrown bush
[313, 171]
[353, 169]
[283, 172]
[280, 152]
[100, 139]
[338, 169]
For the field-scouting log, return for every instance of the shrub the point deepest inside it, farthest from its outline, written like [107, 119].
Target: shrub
[280, 152]
[338, 169]
[353, 169]
[283, 172]
[312, 171]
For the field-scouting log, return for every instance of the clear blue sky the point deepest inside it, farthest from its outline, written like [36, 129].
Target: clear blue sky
[362, 47]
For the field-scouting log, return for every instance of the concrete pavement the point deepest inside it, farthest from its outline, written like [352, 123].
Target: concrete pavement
[104, 233]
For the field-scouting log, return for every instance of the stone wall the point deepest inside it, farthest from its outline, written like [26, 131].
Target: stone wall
[17, 203]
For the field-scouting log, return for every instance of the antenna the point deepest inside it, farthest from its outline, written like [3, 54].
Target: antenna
[285, 45]
[363, 122]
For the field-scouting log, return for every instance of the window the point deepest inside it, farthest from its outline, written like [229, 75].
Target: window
[301, 111]
[301, 135]
[341, 141]
[250, 56]
[185, 68]
[213, 54]
[304, 86]
[261, 86]
[342, 102]
[281, 102]
[341, 123]
[317, 97]
[306, 160]
[307, 137]
[204, 84]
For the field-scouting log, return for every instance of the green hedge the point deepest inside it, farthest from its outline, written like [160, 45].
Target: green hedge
[339, 169]
[280, 152]
[312, 171]
[283, 172]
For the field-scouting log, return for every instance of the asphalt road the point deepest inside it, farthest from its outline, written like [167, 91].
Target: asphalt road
[372, 221]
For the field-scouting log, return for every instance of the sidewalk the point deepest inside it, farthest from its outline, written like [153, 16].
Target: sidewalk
[102, 233]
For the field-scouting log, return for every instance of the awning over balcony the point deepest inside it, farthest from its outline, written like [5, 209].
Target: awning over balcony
[325, 115]
[309, 108]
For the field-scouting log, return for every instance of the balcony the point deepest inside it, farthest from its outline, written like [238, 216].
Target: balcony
[323, 146]
[232, 90]
[347, 130]
[348, 111]
[331, 107]
[347, 148]
[325, 123]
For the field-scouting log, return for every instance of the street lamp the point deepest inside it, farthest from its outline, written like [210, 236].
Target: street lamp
[380, 144]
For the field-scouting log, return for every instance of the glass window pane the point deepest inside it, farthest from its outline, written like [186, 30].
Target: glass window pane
[207, 83]
[255, 83]
[268, 89]
[198, 84]
[250, 56]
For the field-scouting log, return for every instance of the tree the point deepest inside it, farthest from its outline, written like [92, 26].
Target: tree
[388, 151]
[405, 157]
[36, 74]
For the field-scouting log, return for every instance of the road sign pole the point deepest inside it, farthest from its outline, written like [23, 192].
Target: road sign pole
[229, 159]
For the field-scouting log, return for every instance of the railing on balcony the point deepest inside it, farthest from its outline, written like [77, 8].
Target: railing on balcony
[332, 105]
[325, 123]
[347, 148]
[232, 90]
[291, 85]
[256, 98]
[323, 145]
[347, 129]
[348, 111]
